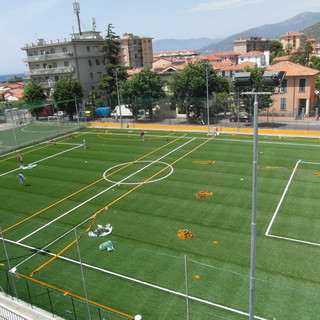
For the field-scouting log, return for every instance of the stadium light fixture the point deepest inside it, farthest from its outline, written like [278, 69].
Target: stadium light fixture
[242, 79]
[273, 78]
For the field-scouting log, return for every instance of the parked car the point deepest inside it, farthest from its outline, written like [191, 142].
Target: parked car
[241, 117]
[60, 114]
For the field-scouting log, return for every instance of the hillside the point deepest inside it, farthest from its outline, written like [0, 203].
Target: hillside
[174, 44]
[272, 31]
[313, 31]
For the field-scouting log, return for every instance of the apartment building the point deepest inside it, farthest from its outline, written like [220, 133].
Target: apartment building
[293, 40]
[261, 59]
[247, 44]
[79, 57]
[299, 97]
[136, 52]
[178, 54]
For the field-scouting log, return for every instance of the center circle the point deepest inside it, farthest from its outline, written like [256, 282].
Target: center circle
[134, 162]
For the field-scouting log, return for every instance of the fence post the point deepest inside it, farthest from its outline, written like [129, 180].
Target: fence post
[29, 293]
[50, 302]
[187, 289]
[73, 308]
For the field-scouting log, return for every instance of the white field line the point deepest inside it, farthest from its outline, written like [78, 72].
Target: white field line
[295, 240]
[139, 281]
[56, 154]
[52, 242]
[103, 191]
[282, 198]
[292, 239]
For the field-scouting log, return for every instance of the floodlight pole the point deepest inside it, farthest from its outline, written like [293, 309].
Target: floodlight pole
[254, 202]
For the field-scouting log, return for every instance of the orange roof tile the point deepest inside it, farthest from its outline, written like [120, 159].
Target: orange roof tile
[222, 66]
[243, 65]
[293, 69]
[251, 53]
[283, 58]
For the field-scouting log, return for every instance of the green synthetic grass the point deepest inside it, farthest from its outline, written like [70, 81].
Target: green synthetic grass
[154, 200]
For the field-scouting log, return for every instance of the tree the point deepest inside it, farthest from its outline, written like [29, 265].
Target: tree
[189, 87]
[142, 91]
[113, 70]
[34, 94]
[275, 47]
[288, 48]
[68, 90]
[315, 62]
[308, 48]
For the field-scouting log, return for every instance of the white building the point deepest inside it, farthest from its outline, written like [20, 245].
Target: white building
[78, 57]
[260, 58]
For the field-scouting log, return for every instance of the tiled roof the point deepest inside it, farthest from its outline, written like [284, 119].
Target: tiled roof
[292, 33]
[222, 66]
[225, 53]
[293, 69]
[243, 65]
[251, 53]
[283, 58]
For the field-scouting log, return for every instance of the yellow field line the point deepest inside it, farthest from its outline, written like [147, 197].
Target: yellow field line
[75, 296]
[119, 198]
[88, 186]
[56, 256]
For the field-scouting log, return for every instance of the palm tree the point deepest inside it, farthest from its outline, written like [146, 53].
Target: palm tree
[308, 48]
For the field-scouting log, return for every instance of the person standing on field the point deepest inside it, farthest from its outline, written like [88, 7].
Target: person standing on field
[20, 159]
[84, 142]
[21, 179]
[142, 135]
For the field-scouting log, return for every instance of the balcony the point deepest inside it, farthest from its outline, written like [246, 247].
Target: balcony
[48, 57]
[50, 71]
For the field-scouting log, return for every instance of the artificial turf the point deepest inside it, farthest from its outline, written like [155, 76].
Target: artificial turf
[146, 191]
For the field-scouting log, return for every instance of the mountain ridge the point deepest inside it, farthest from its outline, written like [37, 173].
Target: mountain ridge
[298, 23]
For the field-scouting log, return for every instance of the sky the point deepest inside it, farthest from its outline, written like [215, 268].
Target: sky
[23, 22]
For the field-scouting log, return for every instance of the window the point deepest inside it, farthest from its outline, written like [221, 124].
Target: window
[90, 62]
[66, 63]
[91, 75]
[302, 84]
[97, 62]
[88, 49]
[56, 78]
[35, 53]
[284, 85]
[283, 104]
[99, 74]
[54, 65]
[52, 50]
[64, 49]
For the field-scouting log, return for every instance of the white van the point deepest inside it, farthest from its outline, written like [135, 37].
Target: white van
[125, 112]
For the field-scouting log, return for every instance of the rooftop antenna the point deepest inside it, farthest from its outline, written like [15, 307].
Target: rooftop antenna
[94, 24]
[76, 9]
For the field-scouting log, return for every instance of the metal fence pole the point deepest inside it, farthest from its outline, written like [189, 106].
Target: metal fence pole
[8, 261]
[82, 274]
[187, 289]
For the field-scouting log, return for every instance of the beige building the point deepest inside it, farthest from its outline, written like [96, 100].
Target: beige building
[247, 44]
[293, 40]
[79, 57]
[136, 52]
[299, 97]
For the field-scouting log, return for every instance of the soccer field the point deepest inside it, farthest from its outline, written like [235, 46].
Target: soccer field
[148, 191]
